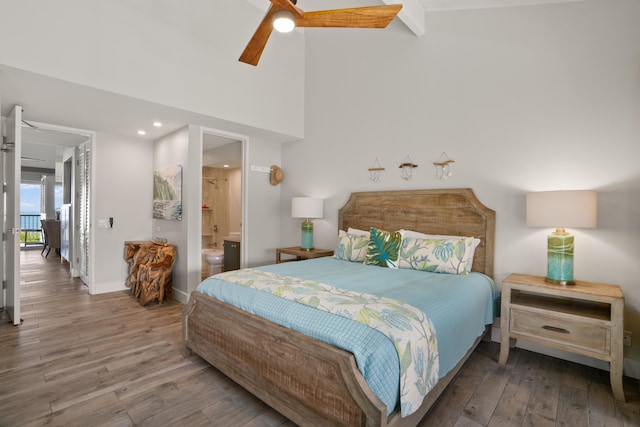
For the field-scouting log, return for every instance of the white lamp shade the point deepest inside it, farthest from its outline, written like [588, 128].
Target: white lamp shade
[560, 209]
[306, 207]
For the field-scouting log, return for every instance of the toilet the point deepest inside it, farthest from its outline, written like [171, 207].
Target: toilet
[215, 259]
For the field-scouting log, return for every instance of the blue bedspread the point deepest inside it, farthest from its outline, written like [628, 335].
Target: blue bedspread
[458, 305]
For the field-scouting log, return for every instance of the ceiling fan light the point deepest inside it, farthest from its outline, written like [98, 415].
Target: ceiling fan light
[283, 21]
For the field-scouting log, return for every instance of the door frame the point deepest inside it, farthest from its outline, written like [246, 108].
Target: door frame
[10, 211]
[244, 140]
[83, 268]
[74, 254]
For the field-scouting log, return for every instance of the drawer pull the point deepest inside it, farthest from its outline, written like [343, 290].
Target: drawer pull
[555, 329]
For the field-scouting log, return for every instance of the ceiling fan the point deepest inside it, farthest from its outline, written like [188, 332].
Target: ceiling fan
[293, 16]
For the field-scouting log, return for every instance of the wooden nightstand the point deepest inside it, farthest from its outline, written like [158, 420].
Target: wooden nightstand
[585, 318]
[300, 253]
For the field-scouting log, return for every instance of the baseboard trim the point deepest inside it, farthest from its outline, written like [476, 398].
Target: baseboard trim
[180, 296]
[103, 288]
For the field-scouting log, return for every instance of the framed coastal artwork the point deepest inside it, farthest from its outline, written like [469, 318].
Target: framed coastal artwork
[167, 193]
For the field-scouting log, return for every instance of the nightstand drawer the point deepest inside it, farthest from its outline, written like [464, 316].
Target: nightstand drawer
[562, 331]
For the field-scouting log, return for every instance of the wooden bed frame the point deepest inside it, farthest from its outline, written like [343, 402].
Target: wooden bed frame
[308, 381]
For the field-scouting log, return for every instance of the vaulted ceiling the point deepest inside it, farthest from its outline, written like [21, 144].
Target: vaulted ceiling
[135, 111]
[435, 5]
[413, 11]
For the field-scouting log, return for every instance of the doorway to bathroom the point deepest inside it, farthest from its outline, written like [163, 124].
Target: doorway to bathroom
[221, 202]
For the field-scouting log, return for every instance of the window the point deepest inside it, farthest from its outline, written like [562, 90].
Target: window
[30, 214]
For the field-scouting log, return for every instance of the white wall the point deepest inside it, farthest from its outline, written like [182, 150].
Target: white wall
[124, 191]
[172, 150]
[180, 54]
[261, 202]
[523, 99]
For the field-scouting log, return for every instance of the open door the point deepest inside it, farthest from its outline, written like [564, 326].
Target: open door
[11, 152]
[84, 212]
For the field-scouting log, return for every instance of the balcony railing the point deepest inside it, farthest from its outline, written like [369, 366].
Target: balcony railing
[30, 230]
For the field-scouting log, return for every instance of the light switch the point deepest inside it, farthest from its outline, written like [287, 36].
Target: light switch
[103, 223]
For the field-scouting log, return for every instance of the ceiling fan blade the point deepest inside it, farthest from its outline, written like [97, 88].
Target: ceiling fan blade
[255, 47]
[287, 5]
[32, 159]
[358, 17]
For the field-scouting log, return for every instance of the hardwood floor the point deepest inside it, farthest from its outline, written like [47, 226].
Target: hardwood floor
[86, 360]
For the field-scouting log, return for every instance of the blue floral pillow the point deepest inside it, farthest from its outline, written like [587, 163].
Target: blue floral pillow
[351, 247]
[383, 249]
[452, 256]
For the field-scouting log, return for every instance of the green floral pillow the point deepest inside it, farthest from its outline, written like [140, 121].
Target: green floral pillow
[452, 256]
[351, 247]
[383, 248]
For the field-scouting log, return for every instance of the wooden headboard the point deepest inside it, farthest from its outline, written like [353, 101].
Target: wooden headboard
[456, 212]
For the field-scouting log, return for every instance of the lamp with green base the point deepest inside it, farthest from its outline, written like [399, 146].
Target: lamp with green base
[571, 208]
[307, 208]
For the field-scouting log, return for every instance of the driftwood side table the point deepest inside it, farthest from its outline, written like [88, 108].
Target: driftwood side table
[150, 268]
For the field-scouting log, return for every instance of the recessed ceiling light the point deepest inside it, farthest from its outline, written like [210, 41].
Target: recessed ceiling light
[141, 132]
[157, 124]
[225, 166]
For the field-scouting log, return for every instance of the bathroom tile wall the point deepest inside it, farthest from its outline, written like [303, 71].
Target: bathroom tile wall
[215, 216]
